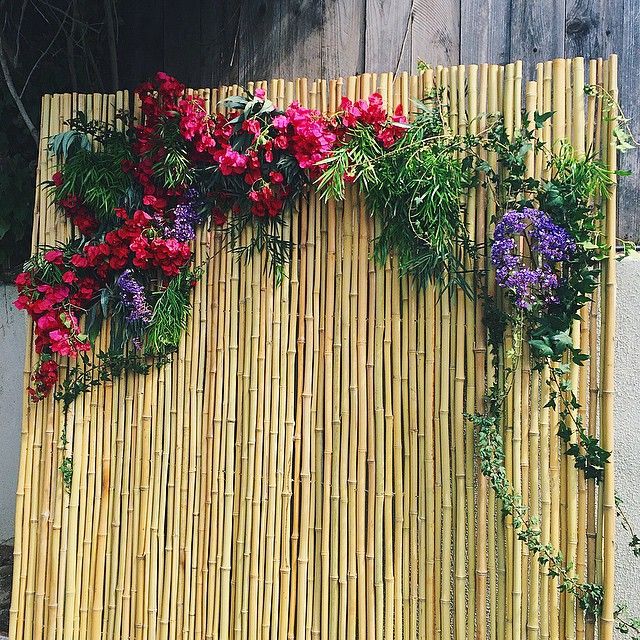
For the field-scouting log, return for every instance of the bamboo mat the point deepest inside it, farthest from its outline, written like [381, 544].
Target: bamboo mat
[303, 468]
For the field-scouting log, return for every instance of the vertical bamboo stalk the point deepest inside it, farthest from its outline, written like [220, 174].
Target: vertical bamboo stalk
[607, 349]
[496, 611]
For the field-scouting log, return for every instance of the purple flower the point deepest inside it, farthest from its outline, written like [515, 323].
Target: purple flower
[133, 298]
[185, 218]
[535, 282]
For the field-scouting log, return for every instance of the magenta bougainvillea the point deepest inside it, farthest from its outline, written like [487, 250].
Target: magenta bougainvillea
[135, 203]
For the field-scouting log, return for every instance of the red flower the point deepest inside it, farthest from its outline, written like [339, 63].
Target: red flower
[69, 277]
[23, 279]
[54, 256]
[44, 379]
[219, 216]
[56, 178]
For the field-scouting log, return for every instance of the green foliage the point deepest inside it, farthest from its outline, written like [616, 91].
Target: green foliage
[573, 197]
[85, 375]
[415, 189]
[174, 169]
[94, 175]
[97, 178]
[265, 235]
[170, 314]
[634, 543]
[359, 158]
[66, 466]
[490, 451]
[625, 624]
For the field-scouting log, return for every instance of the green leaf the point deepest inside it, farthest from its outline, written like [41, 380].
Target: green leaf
[563, 339]
[542, 348]
[540, 118]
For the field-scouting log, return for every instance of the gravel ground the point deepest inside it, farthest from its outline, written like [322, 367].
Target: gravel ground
[6, 567]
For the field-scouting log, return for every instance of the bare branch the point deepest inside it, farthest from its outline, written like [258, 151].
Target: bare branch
[19, 33]
[41, 56]
[110, 17]
[14, 94]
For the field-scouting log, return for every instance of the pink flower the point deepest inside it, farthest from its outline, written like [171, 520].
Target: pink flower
[281, 122]
[260, 94]
[252, 126]
[232, 162]
[54, 256]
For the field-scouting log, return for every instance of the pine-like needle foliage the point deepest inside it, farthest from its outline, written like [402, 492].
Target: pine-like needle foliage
[415, 190]
[170, 314]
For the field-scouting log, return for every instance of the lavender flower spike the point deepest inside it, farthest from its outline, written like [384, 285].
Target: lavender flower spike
[186, 217]
[133, 298]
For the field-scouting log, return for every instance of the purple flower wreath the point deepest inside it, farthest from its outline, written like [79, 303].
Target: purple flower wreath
[548, 244]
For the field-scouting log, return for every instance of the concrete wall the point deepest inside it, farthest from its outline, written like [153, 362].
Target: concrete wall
[12, 337]
[627, 417]
[12, 343]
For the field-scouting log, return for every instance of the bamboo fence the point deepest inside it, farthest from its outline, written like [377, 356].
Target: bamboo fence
[303, 468]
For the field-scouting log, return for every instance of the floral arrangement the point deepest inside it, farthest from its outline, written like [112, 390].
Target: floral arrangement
[135, 203]
[533, 282]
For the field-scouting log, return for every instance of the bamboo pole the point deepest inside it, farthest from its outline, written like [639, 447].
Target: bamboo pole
[607, 349]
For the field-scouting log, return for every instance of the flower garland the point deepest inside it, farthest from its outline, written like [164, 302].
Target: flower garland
[548, 245]
[134, 206]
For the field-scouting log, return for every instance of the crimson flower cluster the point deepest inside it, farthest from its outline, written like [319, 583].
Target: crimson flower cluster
[245, 165]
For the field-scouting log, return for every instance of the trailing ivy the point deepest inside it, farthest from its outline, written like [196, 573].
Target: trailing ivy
[84, 376]
[490, 451]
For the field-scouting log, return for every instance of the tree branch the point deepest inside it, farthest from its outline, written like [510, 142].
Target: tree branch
[14, 94]
[110, 15]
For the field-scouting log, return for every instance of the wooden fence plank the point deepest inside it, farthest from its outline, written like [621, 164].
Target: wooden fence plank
[592, 28]
[435, 32]
[388, 35]
[343, 36]
[629, 191]
[485, 32]
[537, 32]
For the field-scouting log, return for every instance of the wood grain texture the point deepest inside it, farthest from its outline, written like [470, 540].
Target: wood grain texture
[389, 22]
[485, 34]
[435, 32]
[592, 28]
[343, 38]
[220, 30]
[629, 69]
[537, 32]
